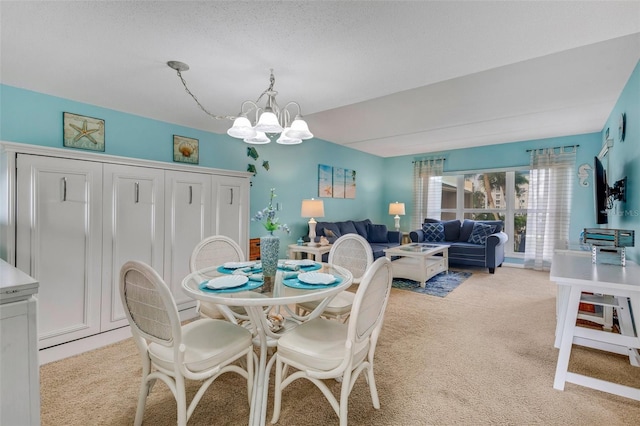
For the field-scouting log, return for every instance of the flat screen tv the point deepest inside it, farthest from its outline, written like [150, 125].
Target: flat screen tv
[600, 191]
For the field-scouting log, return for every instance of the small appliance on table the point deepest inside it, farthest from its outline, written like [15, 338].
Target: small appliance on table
[609, 245]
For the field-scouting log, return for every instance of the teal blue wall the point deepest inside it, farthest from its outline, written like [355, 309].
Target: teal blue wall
[624, 160]
[35, 118]
[500, 156]
[294, 175]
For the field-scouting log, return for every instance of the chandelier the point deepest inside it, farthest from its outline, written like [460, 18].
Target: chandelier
[268, 121]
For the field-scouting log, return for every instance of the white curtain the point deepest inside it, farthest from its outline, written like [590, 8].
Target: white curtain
[427, 190]
[549, 209]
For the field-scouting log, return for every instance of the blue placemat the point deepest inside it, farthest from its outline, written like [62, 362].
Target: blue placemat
[249, 270]
[249, 285]
[296, 283]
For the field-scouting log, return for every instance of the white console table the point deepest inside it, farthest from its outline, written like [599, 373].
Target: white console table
[19, 368]
[612, 286]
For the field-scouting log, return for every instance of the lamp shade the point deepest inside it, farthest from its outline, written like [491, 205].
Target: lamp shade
[396, 208]
[259, 139]
[312, 208]
[268, 123]
[241, 129]
[299, 129]
[285, 139]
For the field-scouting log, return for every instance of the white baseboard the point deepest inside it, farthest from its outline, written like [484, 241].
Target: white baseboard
[56, 353]
[513, 265]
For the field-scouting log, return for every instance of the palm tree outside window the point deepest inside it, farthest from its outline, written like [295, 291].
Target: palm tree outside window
[486, 195]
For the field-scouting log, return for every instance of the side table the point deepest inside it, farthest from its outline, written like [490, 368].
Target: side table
[254, 249]
[315, 251]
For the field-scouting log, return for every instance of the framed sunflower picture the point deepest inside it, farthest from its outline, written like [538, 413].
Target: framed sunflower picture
[83, 132]
[185, 150]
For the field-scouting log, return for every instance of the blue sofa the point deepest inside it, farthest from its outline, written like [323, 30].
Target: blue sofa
[472, 243]
[378, 236]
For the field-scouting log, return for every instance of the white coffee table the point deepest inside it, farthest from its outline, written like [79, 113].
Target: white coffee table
[418, 261]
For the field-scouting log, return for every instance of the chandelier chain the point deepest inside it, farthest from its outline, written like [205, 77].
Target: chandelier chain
[217, 117]
[269, 90]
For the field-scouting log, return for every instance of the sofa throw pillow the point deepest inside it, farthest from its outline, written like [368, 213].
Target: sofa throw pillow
[480, 233]
[324, 228]
[347, 227]
[377, 233]
[433, 232]
[361, 227]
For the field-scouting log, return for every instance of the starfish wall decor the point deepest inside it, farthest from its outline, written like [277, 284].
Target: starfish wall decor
[83, 132]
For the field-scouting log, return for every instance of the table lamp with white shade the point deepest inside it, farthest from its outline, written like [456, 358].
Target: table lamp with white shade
[398, 210]
[312, 209]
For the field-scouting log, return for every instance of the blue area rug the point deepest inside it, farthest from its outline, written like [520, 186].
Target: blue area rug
[439, 285]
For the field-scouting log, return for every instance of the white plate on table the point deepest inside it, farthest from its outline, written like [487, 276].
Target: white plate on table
[227, 281]
[237, 265]
[316, 278]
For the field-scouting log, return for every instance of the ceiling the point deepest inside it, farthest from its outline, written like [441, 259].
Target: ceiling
[388, 77]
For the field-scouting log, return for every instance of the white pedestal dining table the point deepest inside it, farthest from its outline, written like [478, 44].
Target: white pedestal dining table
[283, 294]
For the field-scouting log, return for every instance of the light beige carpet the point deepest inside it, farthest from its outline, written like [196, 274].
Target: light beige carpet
[481, 356]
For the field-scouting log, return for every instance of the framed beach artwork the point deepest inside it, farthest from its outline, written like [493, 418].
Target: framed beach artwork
[325, 180]
[338, 182]
[83, 132]
[185, 150]
[349, 183]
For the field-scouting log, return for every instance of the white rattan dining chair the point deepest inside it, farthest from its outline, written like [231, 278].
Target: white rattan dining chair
[353, 252]
[200, 350]
[212, 251]
[322, 349]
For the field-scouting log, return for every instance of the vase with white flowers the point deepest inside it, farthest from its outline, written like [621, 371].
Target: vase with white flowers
[269, 244]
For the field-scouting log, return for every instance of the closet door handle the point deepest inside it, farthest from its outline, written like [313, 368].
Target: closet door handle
[64, 189]
[190, 194]
[137, 192]
[231, 189]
